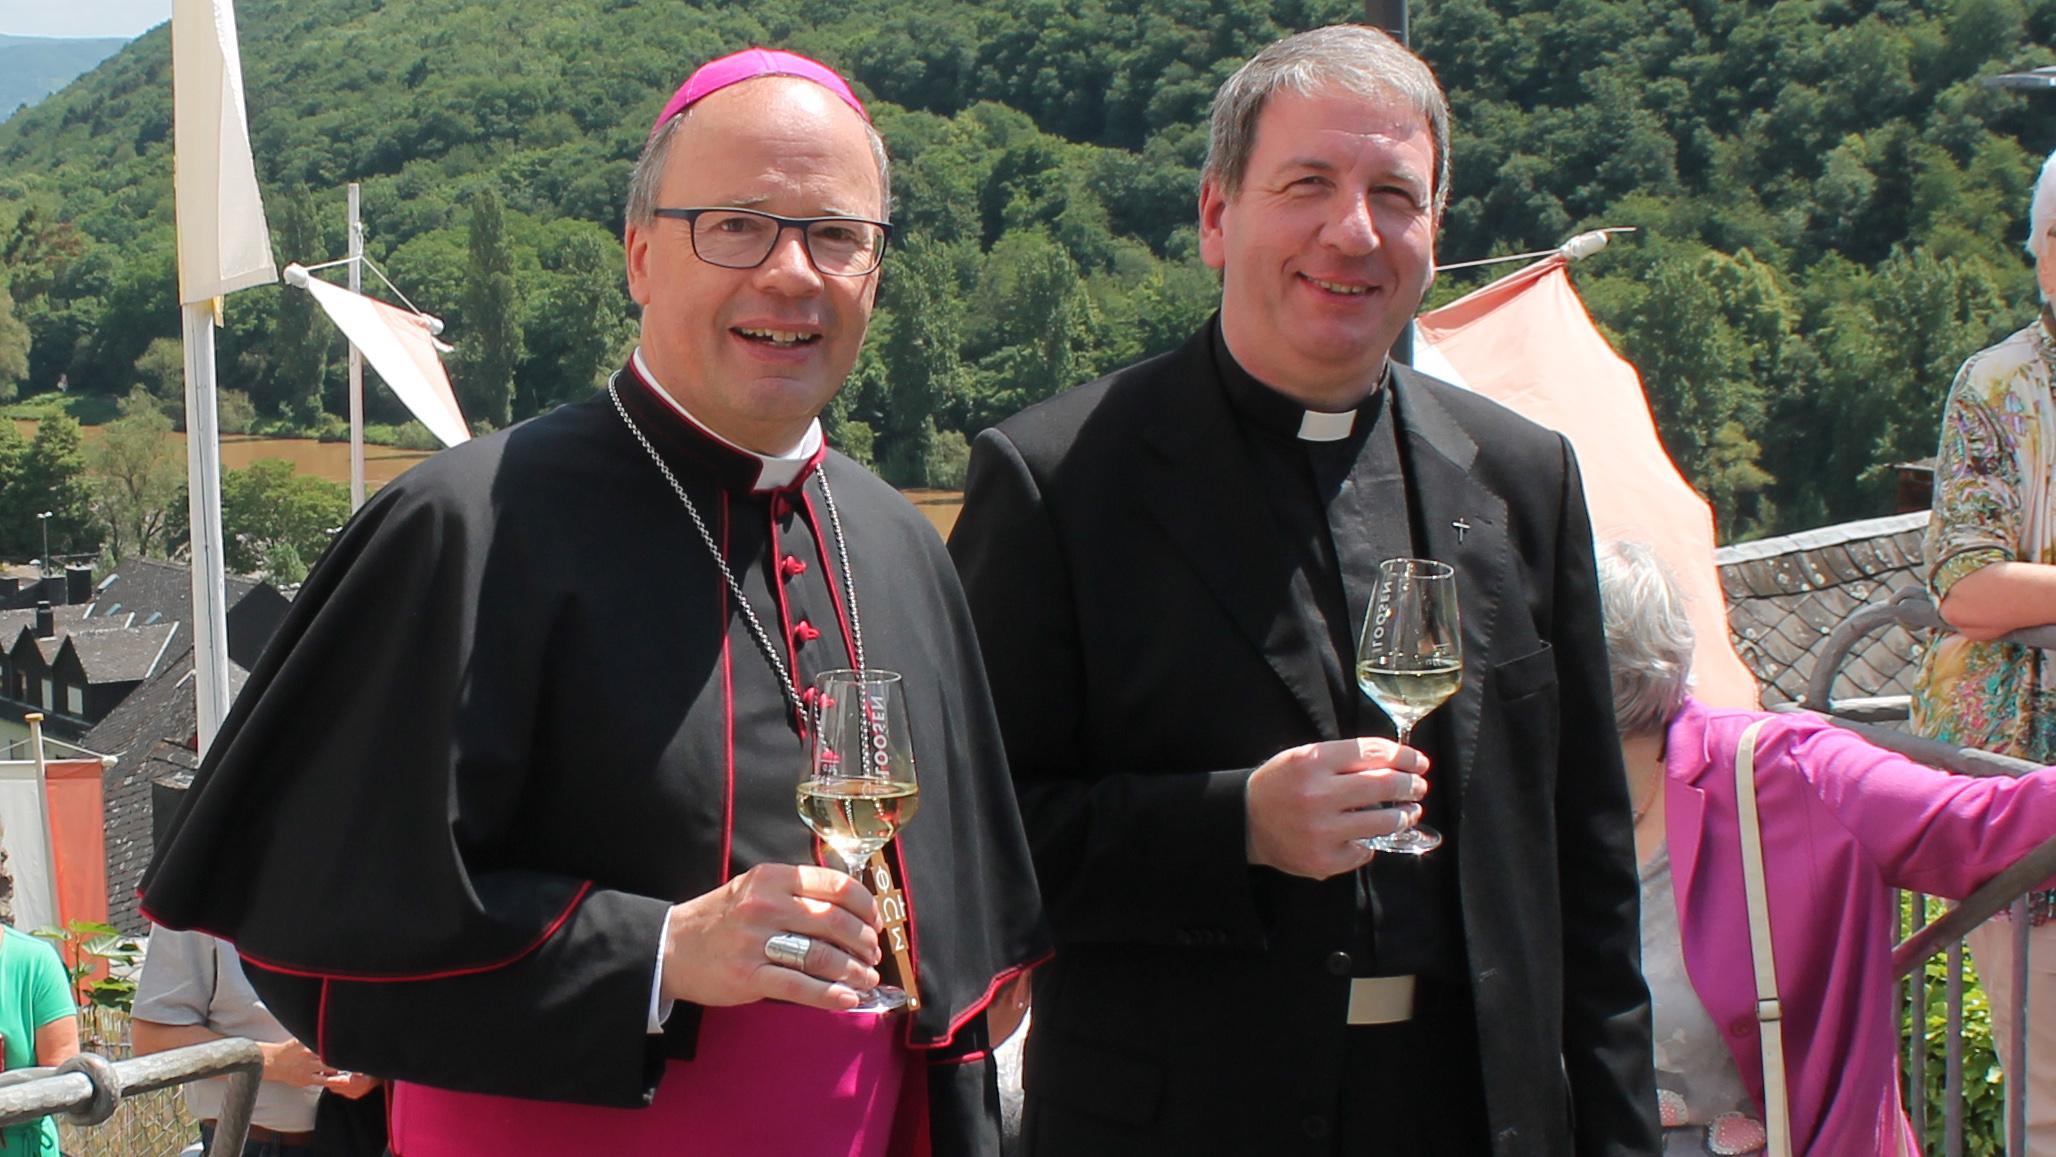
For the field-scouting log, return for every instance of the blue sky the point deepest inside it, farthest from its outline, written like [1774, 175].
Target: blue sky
[82, 17]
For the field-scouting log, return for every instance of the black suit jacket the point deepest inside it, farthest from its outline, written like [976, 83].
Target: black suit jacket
[1136, 606]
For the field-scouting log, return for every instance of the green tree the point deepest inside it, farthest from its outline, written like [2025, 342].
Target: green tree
[303, 336]
[1708, 333]
[137, 476]
[492, 317]
[923, 373]
[578, 327]
[15, 344]
[161, 372]
[1035, 334]
[44, 474]
[1887, 346]
[275, 521]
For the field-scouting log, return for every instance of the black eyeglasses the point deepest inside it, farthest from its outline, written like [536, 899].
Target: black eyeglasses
[743, 238]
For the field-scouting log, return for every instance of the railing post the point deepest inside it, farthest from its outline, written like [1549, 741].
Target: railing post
[1916, 1044]
[2016, 1052]
[1952, 1079]
[88, 1087]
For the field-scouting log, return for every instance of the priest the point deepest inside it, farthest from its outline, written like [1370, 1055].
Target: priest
[507, 811]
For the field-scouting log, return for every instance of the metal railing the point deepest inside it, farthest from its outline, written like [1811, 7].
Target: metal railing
[1913, 609]
[88, 1088]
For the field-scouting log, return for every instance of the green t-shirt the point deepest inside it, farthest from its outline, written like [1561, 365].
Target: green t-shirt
[33, 992]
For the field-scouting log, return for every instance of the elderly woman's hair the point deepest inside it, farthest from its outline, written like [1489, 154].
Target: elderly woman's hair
[1648, 636]
[2041, 211]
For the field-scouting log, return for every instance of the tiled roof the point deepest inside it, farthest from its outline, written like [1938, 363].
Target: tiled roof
[148, 588]
[118, 655]
[12, 622]
[1785, 595]
[147, 734]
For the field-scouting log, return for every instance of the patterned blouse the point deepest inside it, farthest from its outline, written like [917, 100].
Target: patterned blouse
[1995, 501]
[1705, 1107]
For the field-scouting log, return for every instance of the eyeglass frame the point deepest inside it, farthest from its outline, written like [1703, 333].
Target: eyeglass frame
[691, 216]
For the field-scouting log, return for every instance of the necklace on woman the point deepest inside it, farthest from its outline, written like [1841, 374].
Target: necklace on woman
[1638, 810]
[763, 637]
[1642, 809]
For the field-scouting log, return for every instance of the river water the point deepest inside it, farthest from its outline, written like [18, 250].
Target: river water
[382, 464]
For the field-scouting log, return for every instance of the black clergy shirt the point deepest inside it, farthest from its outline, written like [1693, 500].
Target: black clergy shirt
[1343, 504]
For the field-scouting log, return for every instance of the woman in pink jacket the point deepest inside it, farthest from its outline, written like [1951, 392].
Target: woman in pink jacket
[1843, 823]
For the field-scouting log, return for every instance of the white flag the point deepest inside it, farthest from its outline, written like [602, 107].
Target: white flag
[399, 346]
[223, 242]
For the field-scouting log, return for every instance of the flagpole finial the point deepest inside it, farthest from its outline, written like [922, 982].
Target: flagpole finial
[1586, 244]
[1583, 245]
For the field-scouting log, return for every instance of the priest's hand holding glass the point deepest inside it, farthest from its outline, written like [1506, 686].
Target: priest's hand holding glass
[1410, 661]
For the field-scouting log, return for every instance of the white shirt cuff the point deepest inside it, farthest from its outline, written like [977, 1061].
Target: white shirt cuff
[660, 1009]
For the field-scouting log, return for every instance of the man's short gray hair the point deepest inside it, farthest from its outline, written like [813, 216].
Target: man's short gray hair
[648, 178]
[1357, 60]
[1648, 636]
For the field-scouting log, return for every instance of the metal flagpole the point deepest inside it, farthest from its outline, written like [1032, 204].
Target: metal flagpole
[223, 245]
[36, 752]
[356, 361]
[1390, 15]
[203, 510]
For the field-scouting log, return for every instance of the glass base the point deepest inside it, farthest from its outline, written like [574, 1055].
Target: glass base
[1412, 841]
[884, 998]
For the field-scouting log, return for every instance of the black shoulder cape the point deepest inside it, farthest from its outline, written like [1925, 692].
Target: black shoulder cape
[515, 714]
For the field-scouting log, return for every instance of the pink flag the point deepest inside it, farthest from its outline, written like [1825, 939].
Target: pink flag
[1527, 342]
[60, 831]
[400, 347]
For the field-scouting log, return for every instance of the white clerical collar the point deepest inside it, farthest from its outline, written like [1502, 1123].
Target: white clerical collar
[773, 470]
[1321, 426]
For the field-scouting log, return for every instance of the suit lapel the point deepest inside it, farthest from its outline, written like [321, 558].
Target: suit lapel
[1684, 827]
[1463, 524]
[1209, 499]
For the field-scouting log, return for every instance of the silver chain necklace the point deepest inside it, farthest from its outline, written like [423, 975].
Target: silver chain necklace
[763, 637]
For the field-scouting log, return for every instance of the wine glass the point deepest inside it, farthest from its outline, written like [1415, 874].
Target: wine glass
[1410, 660]
[860, 786]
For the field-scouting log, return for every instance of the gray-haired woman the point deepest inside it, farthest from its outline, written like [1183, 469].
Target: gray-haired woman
[1842, 823]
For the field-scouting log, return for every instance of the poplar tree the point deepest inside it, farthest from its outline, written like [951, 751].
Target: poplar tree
[491, 342]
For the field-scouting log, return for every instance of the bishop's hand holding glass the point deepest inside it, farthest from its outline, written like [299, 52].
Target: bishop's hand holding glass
[859, 786]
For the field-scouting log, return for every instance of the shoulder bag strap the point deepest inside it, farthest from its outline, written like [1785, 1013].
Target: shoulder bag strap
[1769, 1014]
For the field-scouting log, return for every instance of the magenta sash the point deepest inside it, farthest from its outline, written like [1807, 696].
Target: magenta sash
[769, 1079]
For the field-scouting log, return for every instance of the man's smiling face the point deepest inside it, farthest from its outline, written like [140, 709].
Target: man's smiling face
[1329, 244]
[755, 354]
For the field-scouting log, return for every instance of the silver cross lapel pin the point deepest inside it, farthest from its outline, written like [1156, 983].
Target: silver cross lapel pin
[1461, 527]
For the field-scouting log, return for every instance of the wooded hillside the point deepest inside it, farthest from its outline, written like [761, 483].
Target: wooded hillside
[1831, 206]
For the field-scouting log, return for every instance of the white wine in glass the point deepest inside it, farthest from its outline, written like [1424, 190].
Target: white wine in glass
[1410, 661]
[857, 817]
[860, 786]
